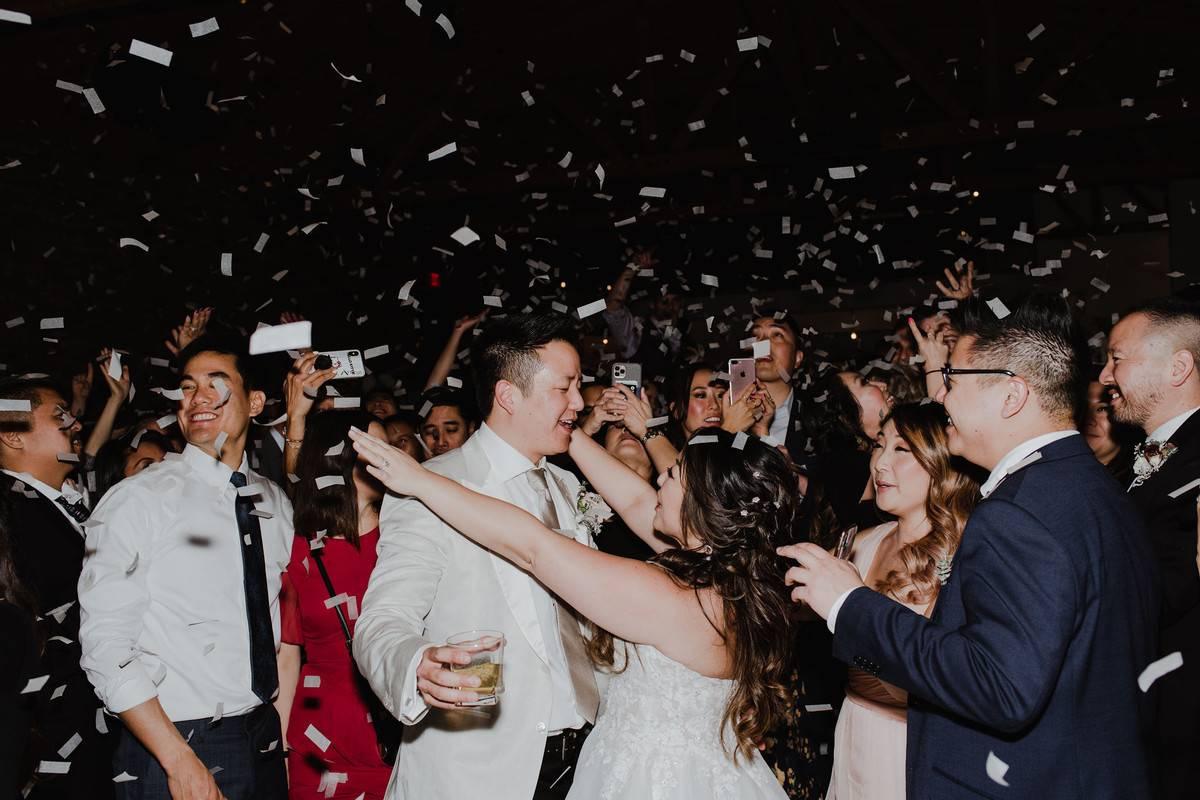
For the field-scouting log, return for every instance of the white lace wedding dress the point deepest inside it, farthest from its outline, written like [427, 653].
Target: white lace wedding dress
[658, 737]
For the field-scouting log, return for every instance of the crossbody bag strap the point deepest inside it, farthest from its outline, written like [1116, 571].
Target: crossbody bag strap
[333, 593]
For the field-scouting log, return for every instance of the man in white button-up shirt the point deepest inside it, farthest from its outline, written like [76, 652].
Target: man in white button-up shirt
[432, 582]
[167, 639]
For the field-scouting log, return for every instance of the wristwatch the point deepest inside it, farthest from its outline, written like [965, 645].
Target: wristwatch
[650, 434]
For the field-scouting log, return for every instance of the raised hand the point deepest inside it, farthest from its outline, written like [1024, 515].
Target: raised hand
[745, 411]
[287, 317]
[192, 328]
[81, 389]
[766, 405]
[301, 385]
[396, 469]
[934, 351]
[465, 323]
[118, 387]
[959, 285]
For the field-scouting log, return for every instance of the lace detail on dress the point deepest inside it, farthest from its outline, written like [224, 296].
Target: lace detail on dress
[658, 737]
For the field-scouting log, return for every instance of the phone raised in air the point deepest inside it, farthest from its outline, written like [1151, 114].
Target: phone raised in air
[629, 376]
[741, 375]
[348, 363]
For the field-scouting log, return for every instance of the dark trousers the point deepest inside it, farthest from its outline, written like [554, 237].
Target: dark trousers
[234, 744]
[558, 764]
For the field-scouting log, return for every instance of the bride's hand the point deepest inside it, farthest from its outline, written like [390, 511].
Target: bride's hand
[396, 469]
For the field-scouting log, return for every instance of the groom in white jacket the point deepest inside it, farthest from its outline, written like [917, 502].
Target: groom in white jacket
[431, 582]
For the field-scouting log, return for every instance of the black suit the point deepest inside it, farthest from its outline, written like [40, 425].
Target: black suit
[48, 557]
[1171, 526]
[1034, 648]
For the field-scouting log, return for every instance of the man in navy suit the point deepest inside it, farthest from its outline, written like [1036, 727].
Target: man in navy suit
[1023, 682]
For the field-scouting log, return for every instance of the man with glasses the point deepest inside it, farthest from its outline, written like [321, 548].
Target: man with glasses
[1026, 674]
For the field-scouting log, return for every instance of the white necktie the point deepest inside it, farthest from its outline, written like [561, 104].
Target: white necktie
[583, 680]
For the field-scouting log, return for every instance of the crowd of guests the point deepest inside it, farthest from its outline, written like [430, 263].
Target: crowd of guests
[250, 597]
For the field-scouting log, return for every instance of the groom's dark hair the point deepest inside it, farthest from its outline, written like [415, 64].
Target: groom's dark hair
[507, 351]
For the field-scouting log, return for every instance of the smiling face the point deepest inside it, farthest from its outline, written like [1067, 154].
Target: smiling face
[543, 417]
[872, 398]
[1138, 367]
[216, 401]
[901, 483]
[668, 514]
[704, 408]
[972, 403]
[784, 359]
[36, 451]
[445, 429]
[1097, 426]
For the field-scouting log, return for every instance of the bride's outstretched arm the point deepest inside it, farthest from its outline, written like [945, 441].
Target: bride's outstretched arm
[633, 600]
[623, 489]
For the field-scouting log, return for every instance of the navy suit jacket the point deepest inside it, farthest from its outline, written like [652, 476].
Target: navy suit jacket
[1035, 645]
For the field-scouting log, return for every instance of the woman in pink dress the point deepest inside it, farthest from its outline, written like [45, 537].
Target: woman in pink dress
[333, 747]
[907, 559]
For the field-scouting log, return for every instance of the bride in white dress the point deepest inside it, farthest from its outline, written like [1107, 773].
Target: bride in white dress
[701, 630]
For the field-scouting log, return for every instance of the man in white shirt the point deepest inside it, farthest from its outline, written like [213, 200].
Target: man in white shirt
[776, 370]
[431, 582]
[73, 754]
[180, 601]
[1153, 375]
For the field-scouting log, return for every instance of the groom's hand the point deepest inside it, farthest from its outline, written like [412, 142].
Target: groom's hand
[439, 686]
[820, 578]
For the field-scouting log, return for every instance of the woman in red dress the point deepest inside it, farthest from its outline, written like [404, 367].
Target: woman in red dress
[334, 750]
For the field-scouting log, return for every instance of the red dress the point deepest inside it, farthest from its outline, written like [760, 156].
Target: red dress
[328, 692]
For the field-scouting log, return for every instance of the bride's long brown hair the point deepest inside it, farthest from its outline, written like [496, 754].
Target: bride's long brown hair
[952, 496]
[739, 504]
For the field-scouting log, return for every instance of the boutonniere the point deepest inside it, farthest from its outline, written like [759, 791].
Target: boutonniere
[591, 512]
[1148, 458]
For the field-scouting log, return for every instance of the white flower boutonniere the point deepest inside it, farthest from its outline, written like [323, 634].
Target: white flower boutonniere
[1148, 458]
[591, 512]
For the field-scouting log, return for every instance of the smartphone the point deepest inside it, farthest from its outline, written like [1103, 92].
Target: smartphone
[629, 376]
[348, 363]
[741, 375]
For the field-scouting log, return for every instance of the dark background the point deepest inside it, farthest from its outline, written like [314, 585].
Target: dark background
[917, 93]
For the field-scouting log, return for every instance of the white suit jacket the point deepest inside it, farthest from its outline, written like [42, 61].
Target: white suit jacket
[430, 583]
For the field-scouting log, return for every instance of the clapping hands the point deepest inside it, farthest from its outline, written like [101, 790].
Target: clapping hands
[191, 329]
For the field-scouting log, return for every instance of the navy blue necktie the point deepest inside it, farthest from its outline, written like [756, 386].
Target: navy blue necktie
[264, 676]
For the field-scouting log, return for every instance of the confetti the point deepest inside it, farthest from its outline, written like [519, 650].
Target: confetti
[129, 241]
[1156, 669]
[588, 310]
[277, 338]
[149, 52]
[996, 769]
[15, 16]
[35, 684]
[375, 352]
[204, 27]
[445, 25]
[998, 308]
[465, 236]
[444, 150]
[344, 76]
[841, 173]
[227, 264]
[15, 405]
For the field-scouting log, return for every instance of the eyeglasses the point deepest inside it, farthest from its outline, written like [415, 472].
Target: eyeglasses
[948, 370]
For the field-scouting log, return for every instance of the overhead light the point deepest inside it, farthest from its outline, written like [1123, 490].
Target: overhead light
[975, 193]
[853, 335]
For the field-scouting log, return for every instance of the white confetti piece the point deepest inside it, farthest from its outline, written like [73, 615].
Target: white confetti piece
[68, 86]
[35, 684]
[739, 440]
[747, 44]
[841, 173]
[588, 310]
[1182, 490]
[405, 289]
[15, 405]
[15, 16]
[204, 27]
[250, 490]
[70, 745]
[51, 323]
[277, 338]
[227, 264]
[168, 420]
[307, 229]
[654, 422]
[702, 440]
[762, 348]
[527, 97]
[709, 280]
[652, 191]
[445, 25]
[129, 241]
[356, 155]
[124, 777]
[444, 150]
[998, 308]
[114, 366]
[344, 76]
[1037, 31]
[54, 767]
[375, 352]
[1099, 284]
[261, 243]
[325, 481]
[1023, 236]
[1168, 663]
[347, 402]
[312, 681]
[698, 125]
[600, 174]
[996, 769]
[149, 52]
[465, 236]
[818, 707]
[492, 300]
[317, 738]
[93, 100]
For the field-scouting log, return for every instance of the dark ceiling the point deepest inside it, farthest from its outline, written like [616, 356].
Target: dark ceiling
[930, 102]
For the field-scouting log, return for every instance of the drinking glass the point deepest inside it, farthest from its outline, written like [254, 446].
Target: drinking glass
[487, 663]
[846, 542]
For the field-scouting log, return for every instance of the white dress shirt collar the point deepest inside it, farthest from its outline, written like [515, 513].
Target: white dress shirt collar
[211, 470]
[50, 493]
[1012, 460]
[1164, 432]
[783, 415]
[506, 463]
